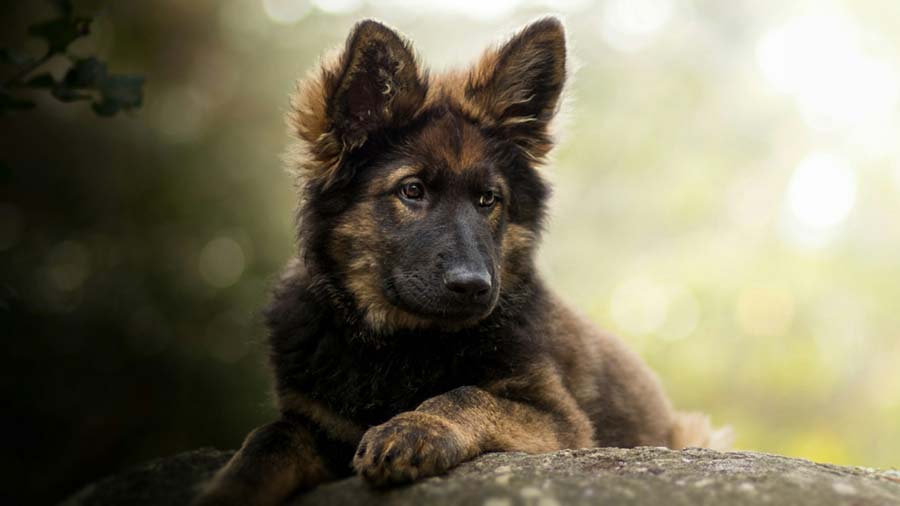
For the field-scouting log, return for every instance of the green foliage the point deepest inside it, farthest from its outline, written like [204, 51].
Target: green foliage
[86, 80]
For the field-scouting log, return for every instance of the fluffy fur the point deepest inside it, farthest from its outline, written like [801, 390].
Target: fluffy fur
[412, 332]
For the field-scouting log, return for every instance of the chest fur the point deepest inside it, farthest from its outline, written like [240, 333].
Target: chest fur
[369, 384]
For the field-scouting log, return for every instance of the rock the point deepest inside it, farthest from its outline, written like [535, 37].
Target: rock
[167, 481]
[640, 476]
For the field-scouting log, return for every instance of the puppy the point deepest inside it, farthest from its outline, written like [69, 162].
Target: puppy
[413, 332]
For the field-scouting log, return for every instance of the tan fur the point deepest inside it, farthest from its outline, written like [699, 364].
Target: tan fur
[518, 243]
[612, 384]
[695, 430]
[319, 152]
[356, 245]
[337, 426]
[543, 385]
[266, 470]
[493, 87]
[467, 154]
[414, 444]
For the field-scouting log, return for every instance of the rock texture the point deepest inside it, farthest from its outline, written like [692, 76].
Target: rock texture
[607, 476]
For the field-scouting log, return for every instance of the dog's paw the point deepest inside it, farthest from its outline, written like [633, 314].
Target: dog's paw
[407, 447]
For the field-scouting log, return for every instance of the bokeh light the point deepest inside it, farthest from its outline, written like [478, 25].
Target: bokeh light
[639, 306]
[338, 6]
[822, 192]
[222, 262]
[630, 24]
[286, 11]
[765, 310]
[68, 266]
[820, 60]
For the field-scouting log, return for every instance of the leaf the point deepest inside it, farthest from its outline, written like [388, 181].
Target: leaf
[45, 80]
[64, 94]
[85, 73]
[124, 90]
[105, 108]
[87, 79]
[61, 32]
[64, 7]
[117, 91]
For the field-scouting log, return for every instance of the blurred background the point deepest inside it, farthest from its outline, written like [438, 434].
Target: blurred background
[727, 200]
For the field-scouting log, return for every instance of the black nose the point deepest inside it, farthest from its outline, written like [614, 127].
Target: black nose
[469, 282]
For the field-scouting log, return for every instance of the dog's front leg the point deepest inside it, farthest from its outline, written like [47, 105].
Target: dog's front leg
[449, 429]
[275, 461]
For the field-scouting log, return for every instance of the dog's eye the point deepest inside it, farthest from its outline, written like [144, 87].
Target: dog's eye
[487, 199]
[412, 191]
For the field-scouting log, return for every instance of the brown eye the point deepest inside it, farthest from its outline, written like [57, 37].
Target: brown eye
[487, 199]
[412, 191]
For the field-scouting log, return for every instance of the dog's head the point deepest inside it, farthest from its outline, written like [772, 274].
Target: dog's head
[420, 194]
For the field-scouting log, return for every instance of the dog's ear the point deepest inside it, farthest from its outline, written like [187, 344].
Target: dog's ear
[375, 82]
[518, 85]
[379, 83]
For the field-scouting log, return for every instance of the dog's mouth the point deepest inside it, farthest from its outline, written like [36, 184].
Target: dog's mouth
[431, 301]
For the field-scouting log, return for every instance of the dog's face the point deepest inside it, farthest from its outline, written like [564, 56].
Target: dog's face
[421, 193]
[425, 232]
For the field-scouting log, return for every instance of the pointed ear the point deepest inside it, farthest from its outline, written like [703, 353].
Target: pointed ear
[375, 82]
[518, 85]
[380, 83]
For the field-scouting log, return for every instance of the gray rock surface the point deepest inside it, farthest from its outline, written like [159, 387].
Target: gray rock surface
[607, 476]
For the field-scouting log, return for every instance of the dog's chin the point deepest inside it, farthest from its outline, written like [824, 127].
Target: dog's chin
[442, 312]
[455, 319]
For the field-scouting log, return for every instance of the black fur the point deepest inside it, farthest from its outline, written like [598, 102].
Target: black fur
[325, 351]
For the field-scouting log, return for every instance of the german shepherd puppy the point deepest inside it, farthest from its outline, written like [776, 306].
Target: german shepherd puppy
[413, 332]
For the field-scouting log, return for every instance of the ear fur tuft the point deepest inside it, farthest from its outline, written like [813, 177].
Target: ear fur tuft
[375, 82]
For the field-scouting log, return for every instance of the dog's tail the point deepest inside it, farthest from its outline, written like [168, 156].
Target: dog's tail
[692, 429]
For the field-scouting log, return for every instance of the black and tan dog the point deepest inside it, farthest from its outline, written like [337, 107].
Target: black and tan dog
[413, 332]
